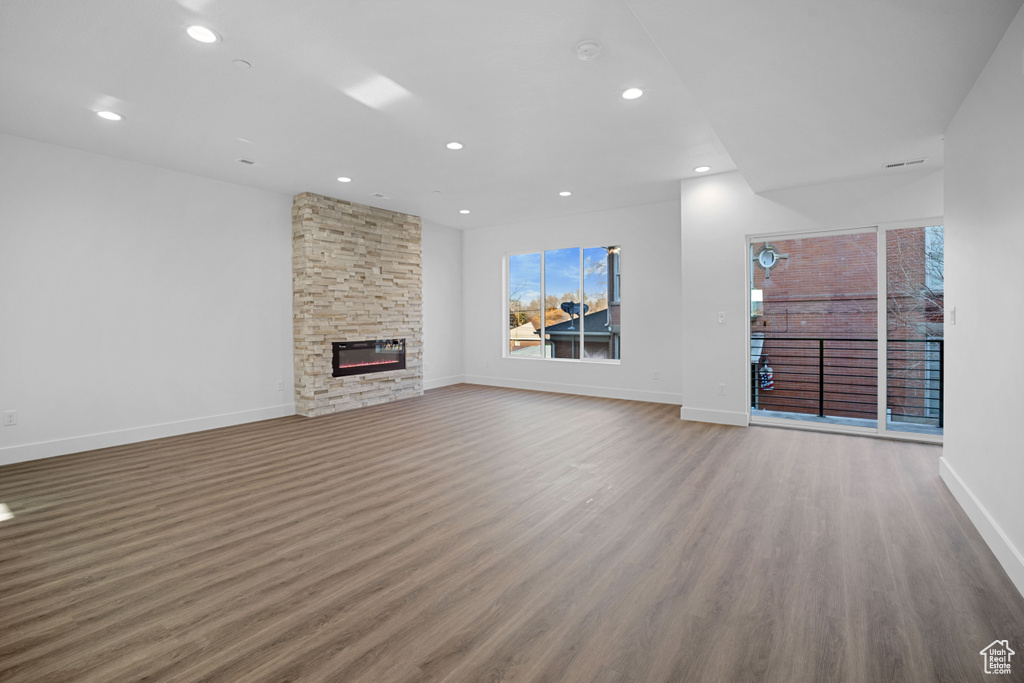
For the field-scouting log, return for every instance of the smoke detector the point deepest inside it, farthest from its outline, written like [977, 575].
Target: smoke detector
[588, 49]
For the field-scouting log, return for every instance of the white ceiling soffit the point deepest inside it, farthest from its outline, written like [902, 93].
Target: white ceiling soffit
[810, 91]
[373, 91]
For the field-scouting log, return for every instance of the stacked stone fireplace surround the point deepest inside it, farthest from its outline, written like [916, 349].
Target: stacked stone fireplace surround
[356, 273]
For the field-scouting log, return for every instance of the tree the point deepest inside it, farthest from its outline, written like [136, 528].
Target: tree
[915, 296]
[516, 311]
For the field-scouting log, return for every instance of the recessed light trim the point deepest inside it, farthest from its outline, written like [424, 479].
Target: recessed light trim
[565, 193]
[344, 179]
[702, 169]
[202, 34]
[241, 64]
[631, 93]
[454, 145]
[463, 210]
[110, 115]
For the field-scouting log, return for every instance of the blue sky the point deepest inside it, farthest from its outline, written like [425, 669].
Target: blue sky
[562, 273]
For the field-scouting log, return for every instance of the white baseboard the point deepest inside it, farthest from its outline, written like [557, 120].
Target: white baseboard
[577, 389]
[719, 417]
[88, 442]
[1004, 550]
[429, 384]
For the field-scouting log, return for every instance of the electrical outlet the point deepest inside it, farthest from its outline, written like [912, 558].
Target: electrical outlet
[721, 390]
[280, 385]
[10, 418]
[721, 317]
[656, 375]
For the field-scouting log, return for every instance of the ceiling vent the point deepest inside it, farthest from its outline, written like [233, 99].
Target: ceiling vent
[247, 162]
[378, 195]
[903, 164]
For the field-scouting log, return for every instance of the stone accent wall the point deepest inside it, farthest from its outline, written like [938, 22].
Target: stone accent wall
[356, 275]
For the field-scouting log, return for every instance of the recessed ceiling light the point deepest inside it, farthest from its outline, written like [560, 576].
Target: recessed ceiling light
[343, 179]
[454, 145]
[632, 93]
[202, 34]
[463, 210]
[702, 169]
[564, 193]
[109, 115]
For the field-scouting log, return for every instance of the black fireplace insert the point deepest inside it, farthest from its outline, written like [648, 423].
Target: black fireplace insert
[363, 357]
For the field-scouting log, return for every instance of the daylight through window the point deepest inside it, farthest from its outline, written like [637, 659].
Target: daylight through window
[564, 303]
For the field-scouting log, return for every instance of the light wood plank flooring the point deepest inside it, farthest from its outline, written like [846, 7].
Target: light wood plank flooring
[481, 534]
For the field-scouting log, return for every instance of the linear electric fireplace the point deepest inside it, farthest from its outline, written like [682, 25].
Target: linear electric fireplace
[364, 357]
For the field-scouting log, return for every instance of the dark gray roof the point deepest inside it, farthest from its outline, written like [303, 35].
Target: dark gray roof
[594, 323]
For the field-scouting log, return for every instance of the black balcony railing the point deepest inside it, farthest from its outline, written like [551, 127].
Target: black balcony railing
[838, 377]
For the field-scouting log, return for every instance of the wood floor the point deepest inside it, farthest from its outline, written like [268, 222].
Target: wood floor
[480, 534]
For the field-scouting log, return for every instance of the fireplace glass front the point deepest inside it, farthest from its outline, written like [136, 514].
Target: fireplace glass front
[363, 357]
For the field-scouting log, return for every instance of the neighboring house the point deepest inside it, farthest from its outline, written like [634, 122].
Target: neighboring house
[614, 287]
[600, 341]
[523, 340]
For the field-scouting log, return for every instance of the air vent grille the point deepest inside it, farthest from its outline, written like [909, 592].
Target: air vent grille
[903, 164]
[248, 162]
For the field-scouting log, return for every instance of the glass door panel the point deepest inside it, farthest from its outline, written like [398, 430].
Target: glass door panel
[914, 328]
[814, 329]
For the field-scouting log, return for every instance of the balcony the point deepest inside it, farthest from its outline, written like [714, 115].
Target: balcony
[835, 381]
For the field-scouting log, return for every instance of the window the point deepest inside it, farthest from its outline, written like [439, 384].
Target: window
[559, 304]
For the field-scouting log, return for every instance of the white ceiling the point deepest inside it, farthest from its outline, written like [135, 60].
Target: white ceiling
[795, 91]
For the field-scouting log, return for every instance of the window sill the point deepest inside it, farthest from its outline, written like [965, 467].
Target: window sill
[597, 361]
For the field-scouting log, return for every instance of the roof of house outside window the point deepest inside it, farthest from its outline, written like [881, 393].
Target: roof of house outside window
[594, 323]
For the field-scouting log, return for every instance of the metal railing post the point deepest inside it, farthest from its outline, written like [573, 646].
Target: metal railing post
[821, 378]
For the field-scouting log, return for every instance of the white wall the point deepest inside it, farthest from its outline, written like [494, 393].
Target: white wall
[136, 302]
[651, 329]
[718, 212]
[983, 458]
[442, 306]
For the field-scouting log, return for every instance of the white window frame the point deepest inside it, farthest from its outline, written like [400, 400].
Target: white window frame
[506, 286]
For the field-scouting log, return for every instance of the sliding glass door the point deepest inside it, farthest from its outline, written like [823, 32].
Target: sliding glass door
[846, 330]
